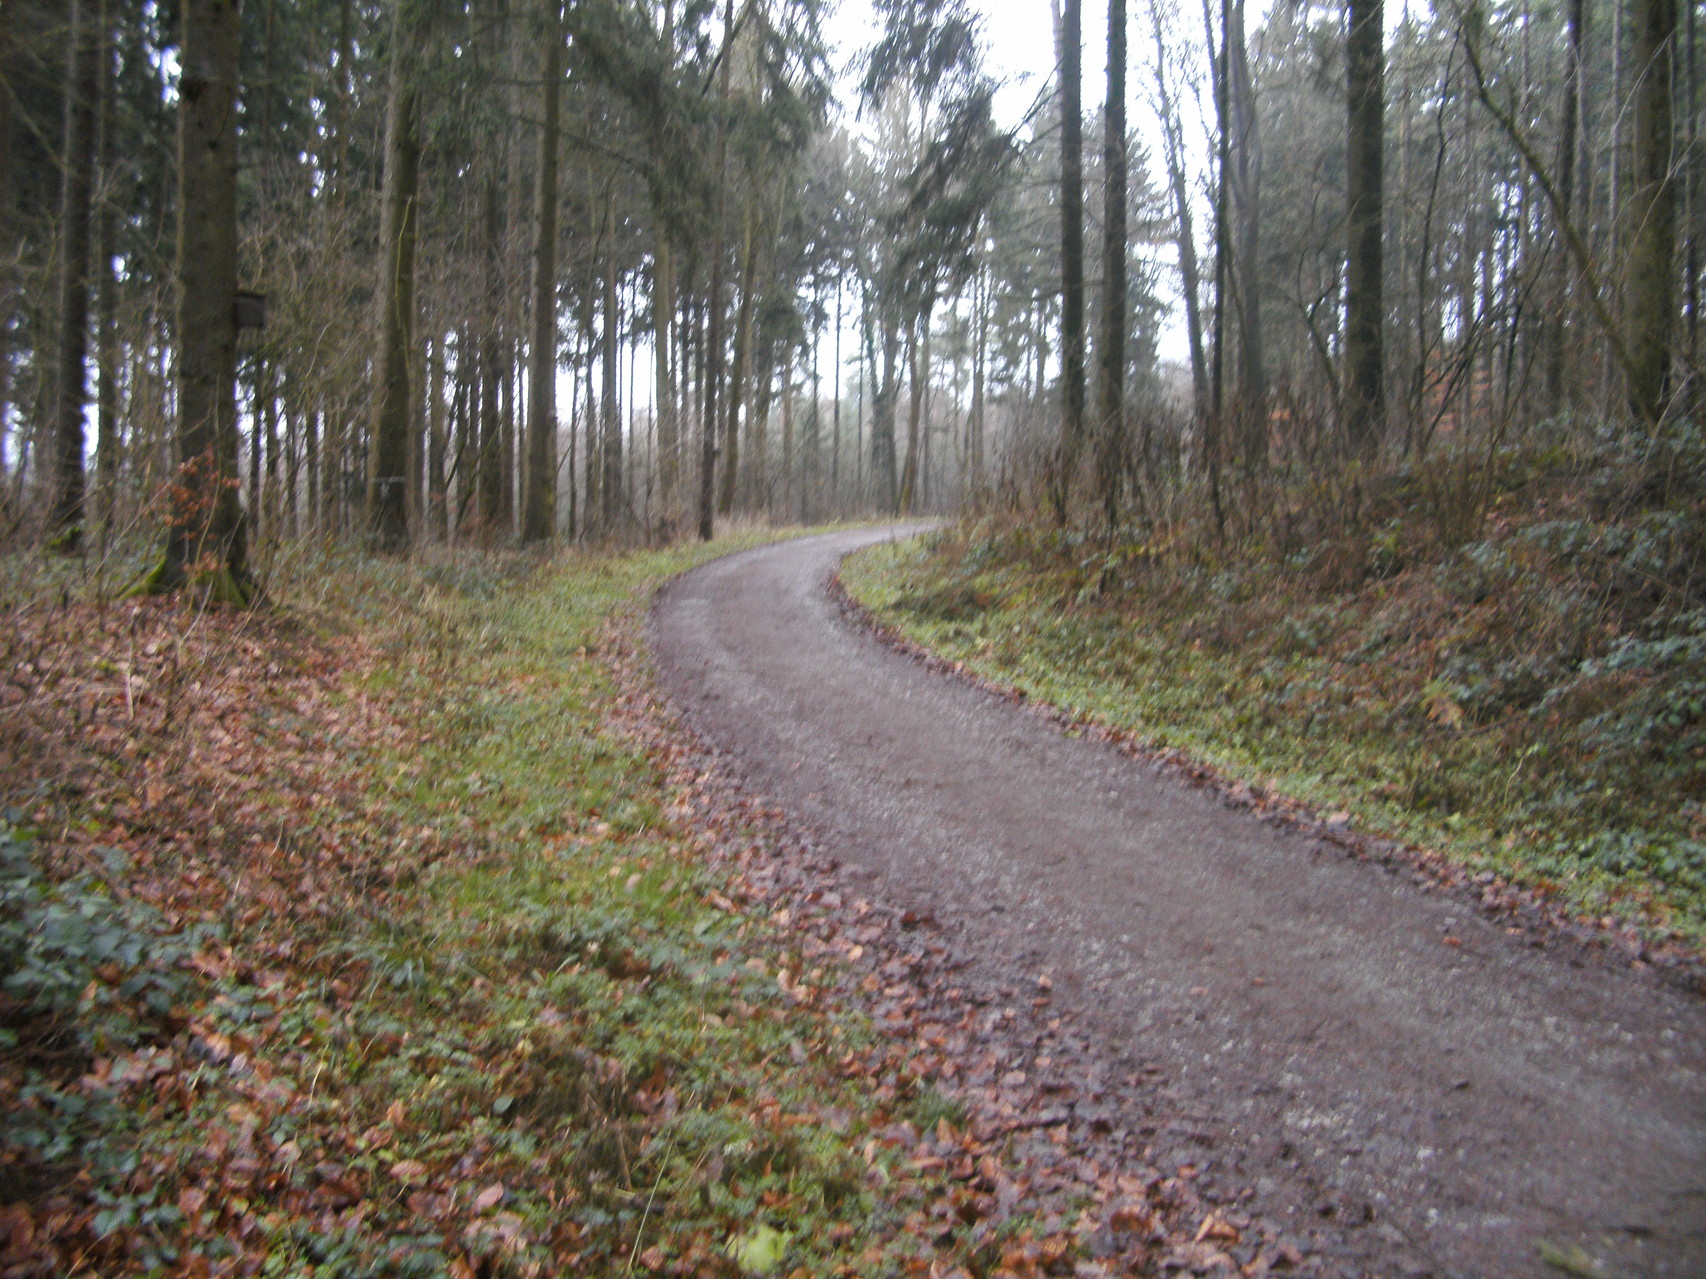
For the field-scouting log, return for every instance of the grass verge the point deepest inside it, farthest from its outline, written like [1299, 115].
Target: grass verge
[355, 938]
[1530, 704]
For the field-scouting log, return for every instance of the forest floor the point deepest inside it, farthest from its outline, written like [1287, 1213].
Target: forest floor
[395, 928]
[1368, 1059]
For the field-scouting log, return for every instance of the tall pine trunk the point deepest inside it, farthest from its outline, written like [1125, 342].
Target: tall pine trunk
[539, 508]
[388, 439]
[1244, 189]
[1365, 76]
[76, 217]
[206, 536]
[1568, 132]
[107, 353]
[10, 231]
[1071, 250]
[714, 302]
[1649, 285]
[663, 315]
[741, 373]
[489, 466]
[1184, 231]
[610, 440]
[1110, 362]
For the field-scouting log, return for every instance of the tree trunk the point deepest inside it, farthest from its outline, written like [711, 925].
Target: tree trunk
[1190, 274]
[1649, 286]
[509, 393]
[1245, 180]
[914, 413]
[435, 523]
[714, 302]
[980, 358]
[489, 466]
[206, 536]
[10, 231]
[1568, 126]
[883, 460]
[663, 314]
[538, 516]
[1071, 250]
[107, 353]
[388, 447]
[835, 421]
[764, 394]
[76, 219]
[788, 434]
[1110, 356]
[740, 374]
[264, 499]
[610, 446]
[1365, 73]
[311, 464]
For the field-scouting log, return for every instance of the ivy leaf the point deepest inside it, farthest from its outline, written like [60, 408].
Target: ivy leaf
[758, 1251]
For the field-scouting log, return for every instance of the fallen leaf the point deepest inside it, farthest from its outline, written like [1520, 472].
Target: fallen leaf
[411, 1172]
[1214, 1228]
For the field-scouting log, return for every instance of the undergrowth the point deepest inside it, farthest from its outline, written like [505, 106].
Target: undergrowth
[350, 938]
[1521, 686]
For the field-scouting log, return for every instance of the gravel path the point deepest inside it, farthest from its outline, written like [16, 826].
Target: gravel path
[1355, 1047]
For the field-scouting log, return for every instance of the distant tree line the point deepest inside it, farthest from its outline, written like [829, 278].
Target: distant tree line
[614, 268]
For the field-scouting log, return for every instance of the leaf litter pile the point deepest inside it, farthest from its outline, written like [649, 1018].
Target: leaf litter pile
[396, 930]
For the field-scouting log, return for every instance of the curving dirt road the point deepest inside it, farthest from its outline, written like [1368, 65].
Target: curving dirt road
[1350, 1044]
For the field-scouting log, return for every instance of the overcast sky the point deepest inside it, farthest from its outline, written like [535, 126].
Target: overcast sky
[1019, 46]
[1018, 40]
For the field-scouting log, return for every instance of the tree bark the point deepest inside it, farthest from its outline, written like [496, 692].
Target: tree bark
[1111, 353]
[489, 460]
[1365, 73]
[1568, 129]
[207, 537]
[76, 220]
[10, 232]
[1649, 286]
[1244, 189]
[388, 439]
[438, 493]
[714, 316]
[663, 315]
[107, 353]
[741, 373]
[1071, 250]
[914, 412]
[883, 396]
[538, 517]
[1190, 274]
[610, 446]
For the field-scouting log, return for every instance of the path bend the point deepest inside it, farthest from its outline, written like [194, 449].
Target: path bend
[1297, 1013]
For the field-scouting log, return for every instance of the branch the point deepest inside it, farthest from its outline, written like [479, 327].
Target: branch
[1566, 224]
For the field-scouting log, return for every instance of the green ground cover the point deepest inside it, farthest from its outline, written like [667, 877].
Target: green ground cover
[402, 967]
[1529, 699]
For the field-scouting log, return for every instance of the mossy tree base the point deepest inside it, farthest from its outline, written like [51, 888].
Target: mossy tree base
[227, 586]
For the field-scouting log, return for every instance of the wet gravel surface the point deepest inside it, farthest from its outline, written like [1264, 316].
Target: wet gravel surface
[1336, 1043]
